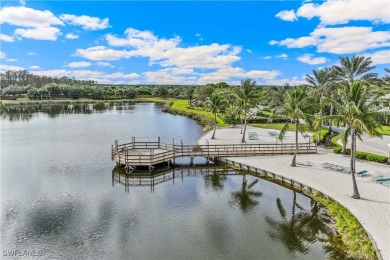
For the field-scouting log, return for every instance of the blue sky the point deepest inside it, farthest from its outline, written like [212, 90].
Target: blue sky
[124, 42]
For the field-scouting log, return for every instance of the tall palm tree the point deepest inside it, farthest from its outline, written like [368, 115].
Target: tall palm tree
[245, 198]
[298, 105]
[248, 93]
[355, 68]
[320, 80]
[357, 110]
[216, 103]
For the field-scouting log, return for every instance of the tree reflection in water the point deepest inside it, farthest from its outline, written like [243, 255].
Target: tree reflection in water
[216, 180]
[303, 228]
[246, 198]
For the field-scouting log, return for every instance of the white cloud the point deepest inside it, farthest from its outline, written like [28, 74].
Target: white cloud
[280, 82]
[35, 67]
[249, 51]
[163, 77]
[2, 55]
[283, 56]
[287, 15]
[99, 76]
[343, 11]
[6, 38]
[341, 40]
[227, 74]
[71, 36]
[87, 22]
[4, 67]
[27, 17]
[167, 52]
[38, 33]
[273, 42]
[309, 59]
[379, 57]
[12, 60]
[79, 64]
[31, 53]
[267, 57]
[103, 53]
[104, 64]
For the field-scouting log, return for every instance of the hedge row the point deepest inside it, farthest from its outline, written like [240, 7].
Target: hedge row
[359, 155]
[264, 120]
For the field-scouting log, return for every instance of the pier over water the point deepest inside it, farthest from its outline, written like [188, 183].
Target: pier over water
[150, 153]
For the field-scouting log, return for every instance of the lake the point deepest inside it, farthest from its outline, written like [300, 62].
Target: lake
[63, 198]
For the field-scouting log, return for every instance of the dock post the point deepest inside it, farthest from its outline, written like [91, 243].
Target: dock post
[173, 148]
[159, 142]
[191, 161]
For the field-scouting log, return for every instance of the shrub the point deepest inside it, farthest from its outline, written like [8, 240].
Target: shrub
[361, 155]
[324, 133]
[377, 158]
[337, 149]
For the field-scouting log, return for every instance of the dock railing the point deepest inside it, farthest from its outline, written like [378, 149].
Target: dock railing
[154, 152]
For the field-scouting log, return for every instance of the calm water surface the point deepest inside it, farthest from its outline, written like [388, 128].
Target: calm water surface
[61, 194]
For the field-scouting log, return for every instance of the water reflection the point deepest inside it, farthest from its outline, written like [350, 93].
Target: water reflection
[213, 175]
[297, 229]
[246, 199]
[25, 112]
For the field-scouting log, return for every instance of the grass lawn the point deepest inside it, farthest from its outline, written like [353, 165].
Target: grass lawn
[279, 126]
[182, 105]
[385, 130]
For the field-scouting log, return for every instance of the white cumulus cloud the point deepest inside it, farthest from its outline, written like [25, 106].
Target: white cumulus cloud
[35, 67]
[309, 59]
[341, 40]
[6, 38]
[79, 64]
[104, 64]
[333, 12]
[379, 57]
[71, 36]
[87, 22]
[27, 17]
[104, 53]
[38, 33]
[283, 56]
[287, 15]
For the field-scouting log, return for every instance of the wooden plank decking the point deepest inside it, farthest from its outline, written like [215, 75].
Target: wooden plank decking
[140, 153]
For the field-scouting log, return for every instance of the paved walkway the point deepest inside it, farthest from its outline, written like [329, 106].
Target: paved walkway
[372, 210]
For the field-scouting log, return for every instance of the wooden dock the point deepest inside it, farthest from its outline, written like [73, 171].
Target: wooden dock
[142, 153]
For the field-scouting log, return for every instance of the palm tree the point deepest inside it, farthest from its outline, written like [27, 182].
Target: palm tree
[245, 198]
[216, 103]
[248, 93]
[297, 105]
[321, 80]
[357, 110]
[216, 180]
[355, 68]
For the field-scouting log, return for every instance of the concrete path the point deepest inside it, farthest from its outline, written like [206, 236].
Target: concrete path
[369, 144]
[372, 210]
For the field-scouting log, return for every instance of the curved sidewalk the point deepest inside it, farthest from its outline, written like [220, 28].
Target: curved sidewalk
[372, 210]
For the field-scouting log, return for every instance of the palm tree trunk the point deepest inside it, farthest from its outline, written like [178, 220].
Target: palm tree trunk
[215, 125]
[320, 126]
[344, 149]
[353, 151]
[243, 136]
[331, 113]
[294, 162]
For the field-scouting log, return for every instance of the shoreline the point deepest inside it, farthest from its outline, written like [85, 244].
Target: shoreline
[372, 211]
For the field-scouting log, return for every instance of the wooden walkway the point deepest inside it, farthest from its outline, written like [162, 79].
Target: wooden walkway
[141, 153]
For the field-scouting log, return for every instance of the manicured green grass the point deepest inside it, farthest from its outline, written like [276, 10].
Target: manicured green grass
[182, 105]
[279, 126]
[385, 130]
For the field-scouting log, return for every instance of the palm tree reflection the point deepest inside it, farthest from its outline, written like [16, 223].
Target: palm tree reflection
[246, 198]
[216, 180]
[303, 228]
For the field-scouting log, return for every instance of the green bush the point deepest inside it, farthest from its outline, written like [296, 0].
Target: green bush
[377, 158]
[360, 155]
[337, 149]
[324, 133]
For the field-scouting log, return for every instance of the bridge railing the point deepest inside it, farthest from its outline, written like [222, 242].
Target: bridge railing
[160, 152]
